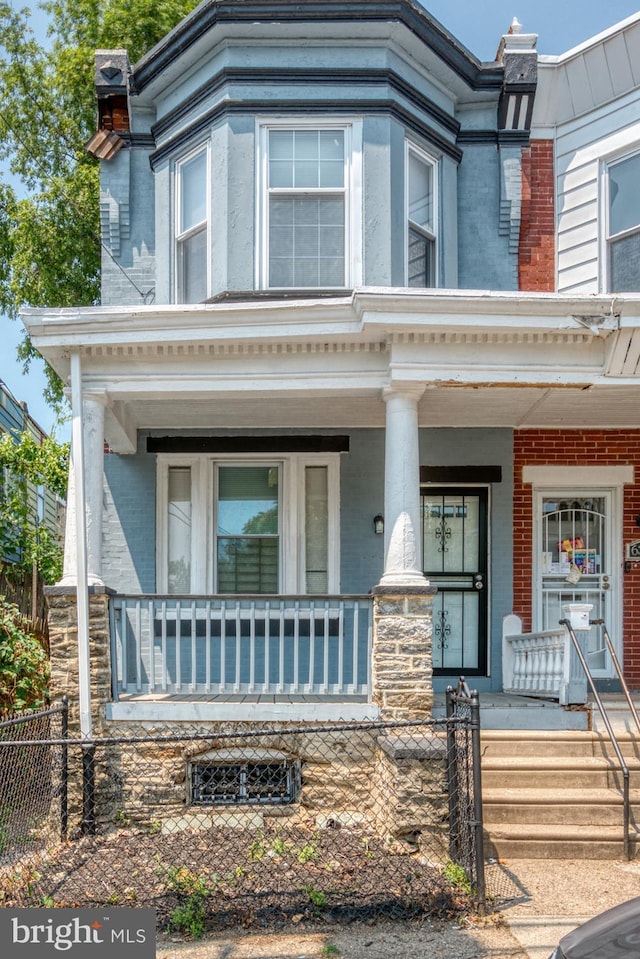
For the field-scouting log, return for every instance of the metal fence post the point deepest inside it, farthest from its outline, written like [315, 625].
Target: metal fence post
[452, 778]
[477, 800]
[64, 771]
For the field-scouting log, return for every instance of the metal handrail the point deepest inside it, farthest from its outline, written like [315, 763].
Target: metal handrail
[618, 669]
[612, 736]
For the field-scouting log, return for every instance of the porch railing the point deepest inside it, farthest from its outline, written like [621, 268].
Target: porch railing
[249, 644]
[540, 664]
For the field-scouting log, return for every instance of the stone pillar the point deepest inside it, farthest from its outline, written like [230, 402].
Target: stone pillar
[93, 437]
[63, 636]
[63, 633]
[402, 665]
[403, 553]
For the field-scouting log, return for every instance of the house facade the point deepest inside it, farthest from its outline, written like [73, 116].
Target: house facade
[364, 377]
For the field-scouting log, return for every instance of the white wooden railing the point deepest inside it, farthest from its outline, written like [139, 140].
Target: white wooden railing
[257, 645]
[540, 664]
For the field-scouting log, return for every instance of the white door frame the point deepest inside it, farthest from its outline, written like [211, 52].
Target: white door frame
[573, 482]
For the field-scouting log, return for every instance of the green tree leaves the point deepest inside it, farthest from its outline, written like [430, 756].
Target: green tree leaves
[50, 238]
[25, 465]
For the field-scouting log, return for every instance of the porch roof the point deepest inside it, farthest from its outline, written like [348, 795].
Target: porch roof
[482, 358]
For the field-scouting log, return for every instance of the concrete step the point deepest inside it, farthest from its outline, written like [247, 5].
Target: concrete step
[545, 841]
[521, 743]
[585, 807]
[558, 772]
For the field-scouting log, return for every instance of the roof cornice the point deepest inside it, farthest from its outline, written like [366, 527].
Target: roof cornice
[212, 13]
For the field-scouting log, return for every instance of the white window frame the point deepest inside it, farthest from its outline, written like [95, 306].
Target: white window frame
[352, 191]
[178, 237]
[291, 516]
[605, 236]
[412, 148]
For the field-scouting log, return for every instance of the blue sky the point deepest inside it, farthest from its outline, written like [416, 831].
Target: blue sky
[478, 24]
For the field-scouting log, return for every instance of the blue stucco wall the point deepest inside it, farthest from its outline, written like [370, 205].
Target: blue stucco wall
[129, 523]
[484, 259]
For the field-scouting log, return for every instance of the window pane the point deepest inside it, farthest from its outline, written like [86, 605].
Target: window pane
[421, 253]
[316, 529]
[192, 266]
[194, 192]
[247, 500]
[624, 264]
[247, 526]
[248, 565]
[179, 530]
[306, 241]
[306, 159]
[624, 195]
[420, 192]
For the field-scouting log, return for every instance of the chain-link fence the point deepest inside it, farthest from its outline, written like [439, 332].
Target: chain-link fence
[237, 825]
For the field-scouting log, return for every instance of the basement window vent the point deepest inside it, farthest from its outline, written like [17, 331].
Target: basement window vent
[250, 780]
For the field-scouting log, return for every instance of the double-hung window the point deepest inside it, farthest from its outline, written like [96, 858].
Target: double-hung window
[623, 225]
[421, 218]
[248, 526]
[309, 205]
[192, 233]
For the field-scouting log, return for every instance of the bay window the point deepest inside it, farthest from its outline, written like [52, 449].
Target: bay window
[251, 526]
[309, 205]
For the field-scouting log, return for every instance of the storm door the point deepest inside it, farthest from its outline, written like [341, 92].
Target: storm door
[574, 553]
[454, 541]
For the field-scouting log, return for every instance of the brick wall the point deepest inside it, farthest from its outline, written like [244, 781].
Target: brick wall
[536, 259]
[578, 448]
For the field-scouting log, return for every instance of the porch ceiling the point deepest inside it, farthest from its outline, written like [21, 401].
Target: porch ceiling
[439, 407]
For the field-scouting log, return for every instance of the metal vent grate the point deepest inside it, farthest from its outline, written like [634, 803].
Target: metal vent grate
[250, 782]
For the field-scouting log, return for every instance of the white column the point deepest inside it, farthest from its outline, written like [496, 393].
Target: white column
[403, 553]
[93, 443]
[93, 438]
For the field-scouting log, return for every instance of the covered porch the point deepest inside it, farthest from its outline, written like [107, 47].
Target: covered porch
[382, 396]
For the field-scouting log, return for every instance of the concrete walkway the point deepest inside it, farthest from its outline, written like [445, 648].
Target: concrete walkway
[542, 900]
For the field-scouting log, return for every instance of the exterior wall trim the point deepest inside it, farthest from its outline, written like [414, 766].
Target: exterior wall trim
[578, 475]
[328, 108]
[312, 77]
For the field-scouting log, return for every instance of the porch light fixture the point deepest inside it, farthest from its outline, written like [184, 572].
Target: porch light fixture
[378, 523]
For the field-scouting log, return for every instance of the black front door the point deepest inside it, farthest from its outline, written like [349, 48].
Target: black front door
[454, 539]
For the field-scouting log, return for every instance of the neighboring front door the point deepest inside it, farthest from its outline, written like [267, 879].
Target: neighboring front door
[454, 539]
[574, 552]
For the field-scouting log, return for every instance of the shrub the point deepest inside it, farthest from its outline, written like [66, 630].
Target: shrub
[24, 667]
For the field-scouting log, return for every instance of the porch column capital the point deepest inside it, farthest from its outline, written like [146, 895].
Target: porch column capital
[403, 553]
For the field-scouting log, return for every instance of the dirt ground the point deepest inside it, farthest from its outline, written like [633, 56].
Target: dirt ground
[435, 940]
[538, 891]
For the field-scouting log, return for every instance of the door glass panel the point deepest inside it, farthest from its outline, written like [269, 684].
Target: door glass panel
[247, 529]
[574, 562]
[454, 538]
